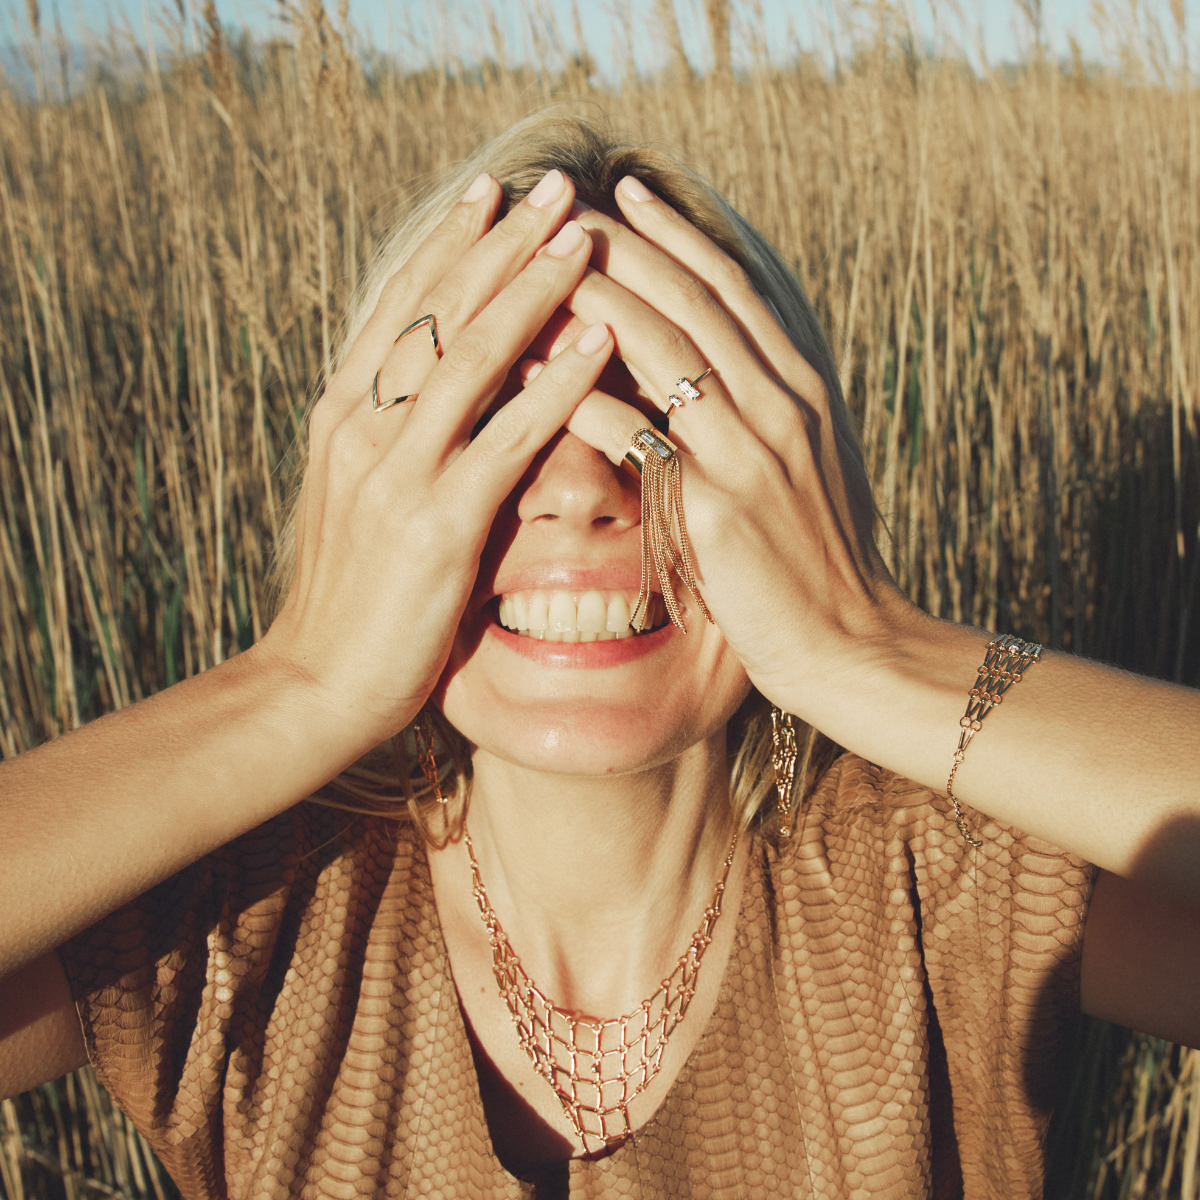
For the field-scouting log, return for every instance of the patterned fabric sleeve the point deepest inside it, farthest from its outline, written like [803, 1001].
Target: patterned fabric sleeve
[1001, 936]
[152, 985]
[937, 985]
[279, 1020]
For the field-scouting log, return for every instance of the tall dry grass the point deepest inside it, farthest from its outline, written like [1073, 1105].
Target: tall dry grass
[1008, 265]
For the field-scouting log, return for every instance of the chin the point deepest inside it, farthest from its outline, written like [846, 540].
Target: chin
[587, 738]
[562, 713]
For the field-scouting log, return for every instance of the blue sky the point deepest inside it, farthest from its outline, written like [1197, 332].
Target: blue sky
[406, 25]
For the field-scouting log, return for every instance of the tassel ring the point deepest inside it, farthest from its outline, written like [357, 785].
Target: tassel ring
[429, 319]
[665, 543]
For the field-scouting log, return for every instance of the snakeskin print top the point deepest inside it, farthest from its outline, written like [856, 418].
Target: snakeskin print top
[279, 1019]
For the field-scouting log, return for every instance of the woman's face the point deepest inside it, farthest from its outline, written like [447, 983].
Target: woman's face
[568, 537]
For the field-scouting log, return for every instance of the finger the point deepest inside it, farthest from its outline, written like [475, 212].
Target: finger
[486, 268]
[494, 462]
[454, 236]
[640, 267]
[759, 323]
[530, 369]
[462, 226]
[607, 424]
[658, 353]
[727, 281]
[468, 377]
[600, 419]
[452, 274]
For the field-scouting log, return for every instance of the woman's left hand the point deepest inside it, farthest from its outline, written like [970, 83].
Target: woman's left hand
[775, 494]
[1093, 760]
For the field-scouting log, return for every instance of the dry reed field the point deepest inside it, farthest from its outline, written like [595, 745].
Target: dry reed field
[1007, 263]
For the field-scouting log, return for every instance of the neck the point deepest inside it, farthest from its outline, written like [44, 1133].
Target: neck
[600, 883]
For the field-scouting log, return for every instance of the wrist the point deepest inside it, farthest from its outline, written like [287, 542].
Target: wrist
[319, 717]
[898, 694]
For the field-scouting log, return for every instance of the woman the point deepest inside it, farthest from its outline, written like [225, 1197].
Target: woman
[296, 999]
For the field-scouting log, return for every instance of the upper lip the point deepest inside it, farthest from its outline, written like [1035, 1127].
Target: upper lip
[569, 579]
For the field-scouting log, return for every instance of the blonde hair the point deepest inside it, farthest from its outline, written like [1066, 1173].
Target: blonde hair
[389, 780]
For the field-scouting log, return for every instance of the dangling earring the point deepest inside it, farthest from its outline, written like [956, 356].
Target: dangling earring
[783, 759]
[423, 734]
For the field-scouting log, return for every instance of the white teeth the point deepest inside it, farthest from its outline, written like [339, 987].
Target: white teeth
[593, 613]
[562, 612]
[537, 612]
[560, 616]
[618, 615]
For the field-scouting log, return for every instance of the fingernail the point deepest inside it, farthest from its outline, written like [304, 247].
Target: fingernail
[635, 189]
[478, 189]
[593, 339]
[566, 241]
[531, 369]
[579, 208]
[549, 189]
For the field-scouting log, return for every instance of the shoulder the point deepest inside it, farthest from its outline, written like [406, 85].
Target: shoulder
[864, 819]
[855, 794]
[301, 865]
[852, 784]
[858, 798]
[257, 968]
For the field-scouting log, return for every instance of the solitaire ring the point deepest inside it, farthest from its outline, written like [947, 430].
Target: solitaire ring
[688, 388]
[429, 319]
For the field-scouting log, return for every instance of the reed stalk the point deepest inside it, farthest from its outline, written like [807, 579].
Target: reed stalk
[1007, 263]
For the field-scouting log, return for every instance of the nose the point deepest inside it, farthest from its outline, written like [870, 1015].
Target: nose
[576, 490]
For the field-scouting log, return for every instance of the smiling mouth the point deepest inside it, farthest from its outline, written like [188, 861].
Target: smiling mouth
[564, 616]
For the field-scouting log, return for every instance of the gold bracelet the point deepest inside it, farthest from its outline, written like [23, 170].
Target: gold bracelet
[1006, 661]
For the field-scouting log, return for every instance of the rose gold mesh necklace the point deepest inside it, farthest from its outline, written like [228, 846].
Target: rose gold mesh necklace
[596, 1067]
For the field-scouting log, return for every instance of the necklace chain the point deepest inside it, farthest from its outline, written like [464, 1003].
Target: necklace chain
[596, 1067]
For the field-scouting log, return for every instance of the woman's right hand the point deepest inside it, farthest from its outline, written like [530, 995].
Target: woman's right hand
[397, 505]
[394, 513]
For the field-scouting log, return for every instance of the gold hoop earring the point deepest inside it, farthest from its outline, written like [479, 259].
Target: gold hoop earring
[423, 735]
[783, 758]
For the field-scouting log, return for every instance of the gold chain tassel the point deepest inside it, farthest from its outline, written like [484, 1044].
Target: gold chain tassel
[662, 524]
[423, 736]
[784, 753]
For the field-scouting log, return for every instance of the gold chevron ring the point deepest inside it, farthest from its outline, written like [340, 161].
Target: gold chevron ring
[429, 319]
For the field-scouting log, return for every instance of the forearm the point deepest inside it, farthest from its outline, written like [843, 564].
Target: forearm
[1094, 760]
[98, 816]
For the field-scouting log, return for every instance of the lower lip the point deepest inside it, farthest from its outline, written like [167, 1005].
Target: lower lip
[584, 654]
